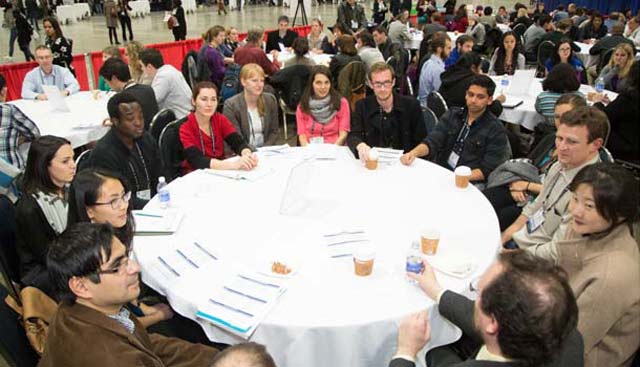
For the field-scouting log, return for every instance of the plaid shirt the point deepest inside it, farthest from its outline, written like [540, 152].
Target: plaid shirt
[13, 124]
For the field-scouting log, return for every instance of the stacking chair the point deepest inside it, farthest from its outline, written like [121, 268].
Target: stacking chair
[160, 120]
[545, 50]
[437, 104]
[171, 149]
[430, 119]
[82, 162]
[519, 29]
[604, 60]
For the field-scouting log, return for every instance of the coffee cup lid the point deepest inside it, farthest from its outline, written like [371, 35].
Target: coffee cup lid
[364, 254]
[430, 233]
[463, 171]
[373, 154]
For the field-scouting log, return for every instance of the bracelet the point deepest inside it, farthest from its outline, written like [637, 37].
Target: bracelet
[527, 189]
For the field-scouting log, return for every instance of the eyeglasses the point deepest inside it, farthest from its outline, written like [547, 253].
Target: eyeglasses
[120, 268]
[565, 49]
[385, 84]
[117, 202]
[473, 285]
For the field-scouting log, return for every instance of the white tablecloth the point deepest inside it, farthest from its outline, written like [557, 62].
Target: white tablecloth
[80, 126]
[189, 6]
[66, 13]
[416, 39]
[82, 10]
[319, 59]
[140, 8]
[526, 114]
[328, 316]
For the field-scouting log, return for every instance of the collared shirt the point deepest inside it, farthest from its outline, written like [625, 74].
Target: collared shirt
[485, 355]
[122, 317]
[13, 124]
[59, 76]
[430, 77]
[172, 90]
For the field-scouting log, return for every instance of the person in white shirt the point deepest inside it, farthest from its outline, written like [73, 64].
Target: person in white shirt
[367, 49]
[632, 30]
[171, 90]
[398, 29]
[47, 74]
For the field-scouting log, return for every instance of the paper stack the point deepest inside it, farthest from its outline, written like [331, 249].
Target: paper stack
[157, 223]
[344, 243]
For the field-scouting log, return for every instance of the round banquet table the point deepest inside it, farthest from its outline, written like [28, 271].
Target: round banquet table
[328, 316]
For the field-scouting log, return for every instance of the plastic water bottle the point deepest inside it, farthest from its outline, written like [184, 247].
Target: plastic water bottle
[504, 84]
[599, 85]
[414, 260]
[163, 193]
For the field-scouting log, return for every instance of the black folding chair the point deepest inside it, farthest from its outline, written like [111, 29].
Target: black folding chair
[82, 162]
[171, 148]
[430, 119]
[437, 104]
[159, 121]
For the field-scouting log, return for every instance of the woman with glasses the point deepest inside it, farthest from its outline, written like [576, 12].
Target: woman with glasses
[41, 212]
[323, 115]
[563, 54]
[98, 196]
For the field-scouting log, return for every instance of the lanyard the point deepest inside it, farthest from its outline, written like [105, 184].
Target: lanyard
[462, 136]
[564, 191]
[213, 145]
[144, 166]
[251, 129]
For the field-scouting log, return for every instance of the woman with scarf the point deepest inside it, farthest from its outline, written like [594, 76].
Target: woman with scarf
[323, 115]
[41, 212]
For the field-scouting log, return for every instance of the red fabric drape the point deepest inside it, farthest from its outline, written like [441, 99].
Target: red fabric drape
[14, 75]
[82, 74]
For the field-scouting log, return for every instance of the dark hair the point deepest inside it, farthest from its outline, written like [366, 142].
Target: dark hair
[177, 3]
[366, 38]
[596, 14]
[85, 191]
[78, 252]
[460, 41]
[595, 120]
[300, 46]
[461, 12]
[255, 354]
[380, 29]
[203, 85]
[468, 60]
[631, 84]
[151, 56]
[534, 305]
[347, 45]
[283, 18]
[439, 40]
[335, 96]
[3, 82]
[501, 55]
[484, 82]
[561, 79]
[488, 11]
[573, 99]
[113, 106]
[555, 57]
[615, 192]
[36, 172]
[543, 19]
[502, 7]
[564, 24]
[342, 29]
[560, 7]
[55, 24]
[115, 67]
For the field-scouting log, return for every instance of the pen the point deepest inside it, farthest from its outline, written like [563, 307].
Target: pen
[148, 215]
[258, 282]
[345, 242]
[230, 308]
[244, 295]
[341, 255]
[186, 258]
[205, 251]
[168, 266]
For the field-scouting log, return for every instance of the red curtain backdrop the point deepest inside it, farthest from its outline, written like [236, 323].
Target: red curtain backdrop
[172, 52]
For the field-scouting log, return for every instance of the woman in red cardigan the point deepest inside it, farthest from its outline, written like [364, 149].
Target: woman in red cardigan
[204, 133]
[323, 115]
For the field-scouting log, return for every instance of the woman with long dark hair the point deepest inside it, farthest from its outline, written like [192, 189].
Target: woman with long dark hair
[61, 47]
[41, 212]
[460, 20]
[323, 115]
[508, 57]
[557, 83]
[563, 53]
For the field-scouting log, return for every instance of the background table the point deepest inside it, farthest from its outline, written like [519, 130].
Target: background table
[82, 10]
[83, 124]
[65, 13]
[328, 316]
[140, 8]
[189, 6]
[526, 114]
[416, 39]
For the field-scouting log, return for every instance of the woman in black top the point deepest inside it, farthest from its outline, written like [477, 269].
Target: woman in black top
[179, 31]
[41, 213]
[24, 30]
[125, 19]
[61, 47]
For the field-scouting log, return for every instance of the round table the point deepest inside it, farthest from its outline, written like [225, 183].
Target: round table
[328, 316]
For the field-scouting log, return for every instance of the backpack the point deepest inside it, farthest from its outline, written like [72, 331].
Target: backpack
[202, 68]
[189, 68]
[231, 82]
[352, 82]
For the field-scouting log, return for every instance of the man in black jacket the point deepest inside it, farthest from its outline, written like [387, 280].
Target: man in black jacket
[128, 150]
[117, 76]
[470, 136]
[525, 315]
[282, 35]
[386, 119]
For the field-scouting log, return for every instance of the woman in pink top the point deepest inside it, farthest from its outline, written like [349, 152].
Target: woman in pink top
[323, 115]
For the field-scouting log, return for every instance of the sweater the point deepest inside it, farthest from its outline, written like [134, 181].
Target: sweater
[172, 91]
[330, 131]
[235, 109]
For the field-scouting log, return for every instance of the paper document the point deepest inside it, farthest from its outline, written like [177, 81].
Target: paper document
[344, 243]
[521, 81]
[55, 98]
[512, 102]
[161, 222]
[254, 175]
[388, 155]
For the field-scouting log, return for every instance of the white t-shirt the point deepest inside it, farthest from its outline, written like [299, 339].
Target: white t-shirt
[256, 137]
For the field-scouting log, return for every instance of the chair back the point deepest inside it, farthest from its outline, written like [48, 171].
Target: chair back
[171, 149]
[160, 120]
[352, 82]
[430, 119]
[14, 345]
[519, 29]
[437, 104]
[604, 60]
[289, 84]
[82, 162]
[605, 155]
[545, 50]
[8, 253]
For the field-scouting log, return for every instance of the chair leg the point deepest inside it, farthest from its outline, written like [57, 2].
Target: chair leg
[284, 123]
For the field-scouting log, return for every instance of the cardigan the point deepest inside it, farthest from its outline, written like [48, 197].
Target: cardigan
[235, 109]
[81, 336]
[604, 275]
[330, 131]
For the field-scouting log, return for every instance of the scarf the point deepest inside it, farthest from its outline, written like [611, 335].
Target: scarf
[321, 109]
[55, 209]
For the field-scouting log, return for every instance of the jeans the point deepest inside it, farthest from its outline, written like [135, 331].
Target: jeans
[12, 40]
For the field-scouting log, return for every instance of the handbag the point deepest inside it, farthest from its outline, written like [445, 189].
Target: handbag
[35, 315]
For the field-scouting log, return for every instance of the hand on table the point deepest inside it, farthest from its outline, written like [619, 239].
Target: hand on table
[408, 158]
[502, 98]
[247, 161]
[413, 334]
[363, 151]
[41, 97]
[427, 281]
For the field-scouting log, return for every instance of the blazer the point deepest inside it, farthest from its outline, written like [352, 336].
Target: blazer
[235, 109]
[82, 336]
[273, 38]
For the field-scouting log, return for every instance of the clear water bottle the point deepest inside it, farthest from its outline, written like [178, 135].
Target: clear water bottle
[599, 85]
[504, 84]
[414, 260]
[163, 193]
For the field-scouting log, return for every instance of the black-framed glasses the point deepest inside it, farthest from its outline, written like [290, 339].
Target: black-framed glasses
[120, 268]
[385, 84]
[117, 202]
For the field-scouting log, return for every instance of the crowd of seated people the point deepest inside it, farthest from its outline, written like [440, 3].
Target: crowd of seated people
[565, 216]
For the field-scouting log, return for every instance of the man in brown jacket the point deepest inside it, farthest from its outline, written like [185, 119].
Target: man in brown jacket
[95, 277]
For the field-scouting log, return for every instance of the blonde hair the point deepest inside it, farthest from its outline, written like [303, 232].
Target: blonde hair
[522, 12]
[249, 71]
[112, 51]
[212, 33]
[133, 48]
[629, 51]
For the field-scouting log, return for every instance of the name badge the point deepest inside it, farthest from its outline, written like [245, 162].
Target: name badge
[535, 221]
[317, 140]
[354, 24]
[144, 195]
[453, 160]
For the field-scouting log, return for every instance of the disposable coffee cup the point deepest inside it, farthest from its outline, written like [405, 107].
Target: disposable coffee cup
[463, 174]
[95, 93]
[372, 161]
[429, 240]
[363, 262]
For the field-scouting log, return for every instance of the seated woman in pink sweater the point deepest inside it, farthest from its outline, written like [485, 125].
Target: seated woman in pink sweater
[323, 115]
